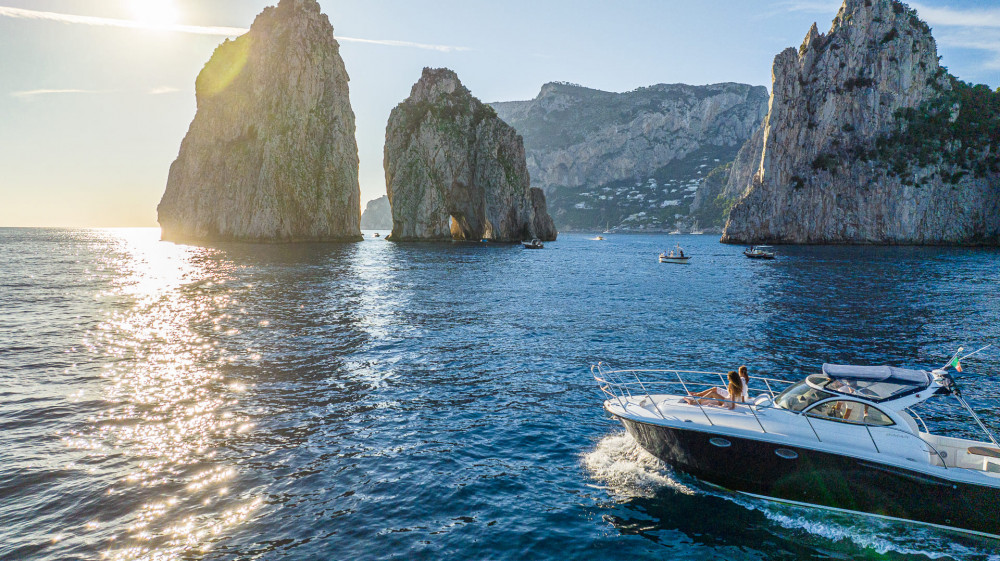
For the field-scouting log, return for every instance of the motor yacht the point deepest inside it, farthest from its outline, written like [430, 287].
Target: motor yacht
[844, 438]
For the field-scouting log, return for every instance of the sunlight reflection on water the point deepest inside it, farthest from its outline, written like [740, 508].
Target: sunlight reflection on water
[168, 406]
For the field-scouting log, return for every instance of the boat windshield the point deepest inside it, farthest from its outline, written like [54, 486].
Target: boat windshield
[877, 383]
[799, 396]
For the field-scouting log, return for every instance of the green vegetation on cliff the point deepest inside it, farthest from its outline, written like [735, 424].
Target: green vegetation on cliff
[958, 130]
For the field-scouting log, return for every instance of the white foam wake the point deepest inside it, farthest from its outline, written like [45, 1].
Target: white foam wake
[629, 471]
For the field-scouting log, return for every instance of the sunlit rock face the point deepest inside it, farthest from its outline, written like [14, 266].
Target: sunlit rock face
[271, 154]
[817, 171]
[454, 170]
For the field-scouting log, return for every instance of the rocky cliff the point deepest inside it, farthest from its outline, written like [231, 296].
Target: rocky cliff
[868, 140]
[271, 153]
[454, 170]
[592, 150]
[377, 215]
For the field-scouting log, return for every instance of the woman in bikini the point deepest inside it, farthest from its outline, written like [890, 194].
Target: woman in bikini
[726, 397]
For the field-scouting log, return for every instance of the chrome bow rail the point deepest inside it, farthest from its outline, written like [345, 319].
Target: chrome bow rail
[617, 385]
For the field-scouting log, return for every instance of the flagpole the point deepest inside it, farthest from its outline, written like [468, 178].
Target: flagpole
[977, 352]
[952, 359]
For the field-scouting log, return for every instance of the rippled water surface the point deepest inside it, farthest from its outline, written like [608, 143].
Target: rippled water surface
[380, 401]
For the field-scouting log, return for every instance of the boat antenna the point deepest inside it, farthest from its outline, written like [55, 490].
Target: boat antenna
[973, 353]
[961, 399]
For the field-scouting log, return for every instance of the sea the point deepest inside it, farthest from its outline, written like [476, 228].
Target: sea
[383, 400]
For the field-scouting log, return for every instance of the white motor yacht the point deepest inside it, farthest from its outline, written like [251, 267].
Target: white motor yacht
[844, 438]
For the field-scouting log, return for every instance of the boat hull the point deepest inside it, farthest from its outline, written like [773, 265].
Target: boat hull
[825, 479]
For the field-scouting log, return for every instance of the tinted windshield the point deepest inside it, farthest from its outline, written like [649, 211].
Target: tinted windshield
[868, 389]
[799, 396]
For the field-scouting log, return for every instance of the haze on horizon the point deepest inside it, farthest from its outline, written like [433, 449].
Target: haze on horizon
[97, 94]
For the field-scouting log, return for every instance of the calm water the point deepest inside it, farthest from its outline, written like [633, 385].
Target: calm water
[384, 401]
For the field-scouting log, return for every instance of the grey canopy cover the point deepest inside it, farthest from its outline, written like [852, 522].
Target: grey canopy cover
[889, 374]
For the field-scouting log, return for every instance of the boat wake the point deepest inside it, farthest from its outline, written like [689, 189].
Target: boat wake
[627, 471]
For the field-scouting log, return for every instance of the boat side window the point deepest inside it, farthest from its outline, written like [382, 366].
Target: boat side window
[800, 396]
[850, 412]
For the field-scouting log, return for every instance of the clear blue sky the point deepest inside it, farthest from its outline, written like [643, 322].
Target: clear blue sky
[92, 112]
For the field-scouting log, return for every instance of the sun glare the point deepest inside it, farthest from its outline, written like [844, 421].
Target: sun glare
[155, 13]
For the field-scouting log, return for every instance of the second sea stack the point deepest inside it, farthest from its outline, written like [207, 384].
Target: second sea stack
[271, 154]
[454, 170]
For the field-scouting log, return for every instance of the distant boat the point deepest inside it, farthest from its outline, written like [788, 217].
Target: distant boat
[675, 233]
[679, 260]
[376, 235]
[533, 244]
[759, 252]
[675, 256]
[599, 239]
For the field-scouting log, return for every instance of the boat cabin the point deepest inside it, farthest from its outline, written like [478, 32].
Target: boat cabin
[881, 396]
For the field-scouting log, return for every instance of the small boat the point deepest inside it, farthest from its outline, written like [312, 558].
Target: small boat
[844, 438]
[675, 256]
[377, 234]
[533, 244]
[599, 239]
[759, 252]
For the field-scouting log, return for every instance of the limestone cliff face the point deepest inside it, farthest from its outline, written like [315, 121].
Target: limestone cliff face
[577, 136]
[271, 154]
[454, 170]
[813, 173]
[377, 215]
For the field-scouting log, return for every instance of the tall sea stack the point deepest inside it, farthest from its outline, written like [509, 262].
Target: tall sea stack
[869, 140]
[271, 154]
[454, 170]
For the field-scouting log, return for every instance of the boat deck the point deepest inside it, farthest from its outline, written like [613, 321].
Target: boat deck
[673, 408]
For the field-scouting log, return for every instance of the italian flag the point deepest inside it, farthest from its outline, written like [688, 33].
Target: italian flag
[956, 364]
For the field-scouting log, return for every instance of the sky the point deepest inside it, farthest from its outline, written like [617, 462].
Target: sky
[96, 95]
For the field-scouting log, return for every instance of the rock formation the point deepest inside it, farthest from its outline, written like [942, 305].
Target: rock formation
[584, 144]
[454, 170]
[377, 215]
[271, 153]
[577, 136]
[867, 141]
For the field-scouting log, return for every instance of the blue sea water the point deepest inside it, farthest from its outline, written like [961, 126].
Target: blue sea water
[430, 401]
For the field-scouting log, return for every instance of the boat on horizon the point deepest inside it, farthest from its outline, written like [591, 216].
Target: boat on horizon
[533, 244]
[844, 439]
